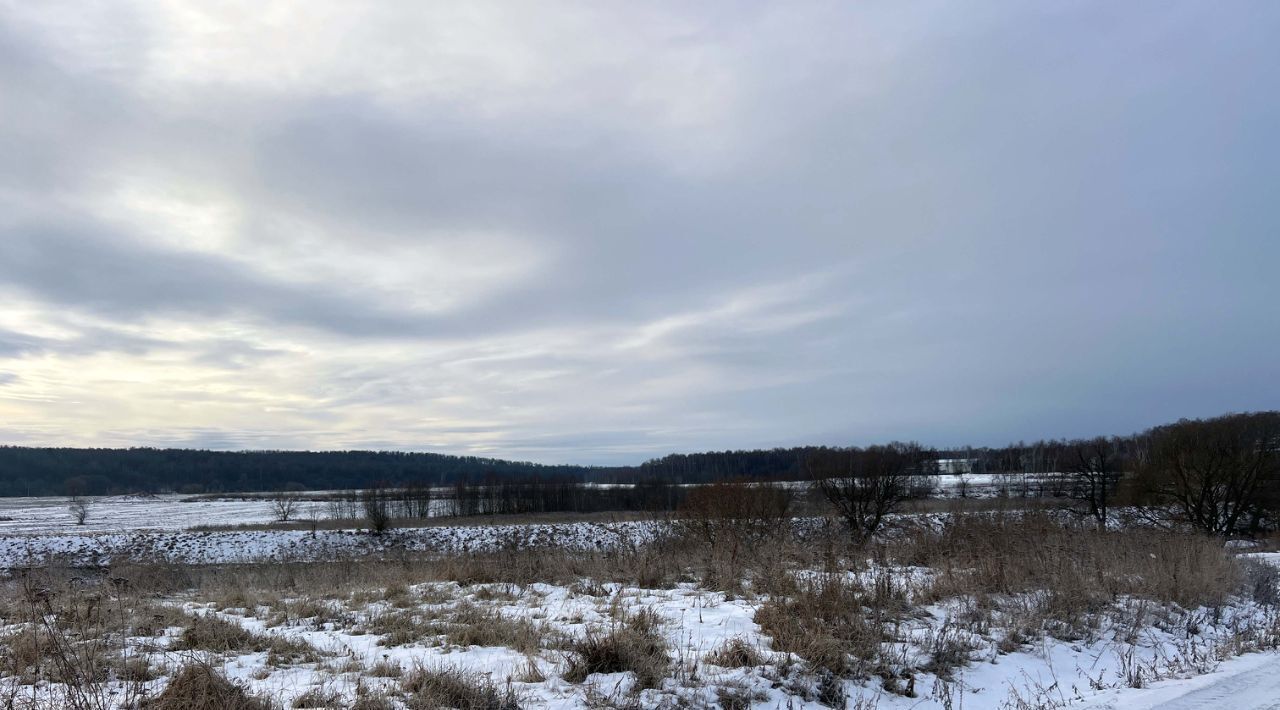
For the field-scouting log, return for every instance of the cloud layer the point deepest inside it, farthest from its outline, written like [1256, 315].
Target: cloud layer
[594, 234]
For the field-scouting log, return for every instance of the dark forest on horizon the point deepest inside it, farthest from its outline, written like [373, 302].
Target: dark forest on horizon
[48, 471]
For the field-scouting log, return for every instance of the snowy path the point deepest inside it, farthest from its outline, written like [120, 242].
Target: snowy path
[1246, 683]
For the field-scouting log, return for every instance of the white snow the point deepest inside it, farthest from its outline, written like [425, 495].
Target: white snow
[215, 547]
[128, 513]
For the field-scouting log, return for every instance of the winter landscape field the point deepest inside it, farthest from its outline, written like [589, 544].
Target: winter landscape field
[732, 603]
[580, 355]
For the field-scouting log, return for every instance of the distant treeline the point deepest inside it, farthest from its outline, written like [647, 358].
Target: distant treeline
[59, 471]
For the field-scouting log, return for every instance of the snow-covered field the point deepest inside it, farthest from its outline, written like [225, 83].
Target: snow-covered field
[170, 512]
[1182, 659]
[129, 513]
[187, 547]
[1135, 655]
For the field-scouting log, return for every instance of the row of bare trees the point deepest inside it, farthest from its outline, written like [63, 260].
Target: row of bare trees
[1219, 475]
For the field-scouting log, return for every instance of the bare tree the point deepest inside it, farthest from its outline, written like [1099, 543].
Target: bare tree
[377, 509]
[284, 506]
[1092, 471]
[79, 507]
[311, 516]
[865, 485]
[1218, 475]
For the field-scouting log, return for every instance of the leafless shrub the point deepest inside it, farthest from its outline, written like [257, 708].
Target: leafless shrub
[1078, 570]
[76, 638]
[1092, 468]
[735, 512]
[376, 502]
[79, 508]
[1260, 581]
[948, 649]
[1218, 475]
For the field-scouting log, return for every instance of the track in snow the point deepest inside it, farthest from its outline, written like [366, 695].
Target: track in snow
[1257, 688]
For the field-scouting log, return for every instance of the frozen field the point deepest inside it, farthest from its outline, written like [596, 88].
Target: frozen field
[171, 512]
[128, 513]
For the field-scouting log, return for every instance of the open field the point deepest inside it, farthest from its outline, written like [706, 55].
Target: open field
[998, 609]
[171, 512]
[128, 513]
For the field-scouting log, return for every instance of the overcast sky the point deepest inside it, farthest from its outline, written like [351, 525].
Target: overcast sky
[597, 232]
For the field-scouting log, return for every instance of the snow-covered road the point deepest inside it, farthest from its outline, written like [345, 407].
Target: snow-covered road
[1249, 682]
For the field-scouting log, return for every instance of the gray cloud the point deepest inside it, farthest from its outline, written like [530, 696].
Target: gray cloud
[606, 236]
[128, 280]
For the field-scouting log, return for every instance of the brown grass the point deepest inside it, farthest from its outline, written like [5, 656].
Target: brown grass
[736, 653]
[1082, 569]
[211, 633]
[198, 687]
[828, 624]
[448, 687]
[632, 644]
[480, 626]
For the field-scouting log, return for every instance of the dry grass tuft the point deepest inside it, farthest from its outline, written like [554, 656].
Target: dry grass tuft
[199, 687]
[386, 669]
[736, 653]
[447, 687]
[631, 645]
[399, 628]
[319, 698]
[480, 626]
[211, 633]
[827, 623]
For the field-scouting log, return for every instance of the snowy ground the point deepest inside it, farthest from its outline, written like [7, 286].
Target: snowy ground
[1184, 663]
[187, 547]
[1176, 659]
[128, 513]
